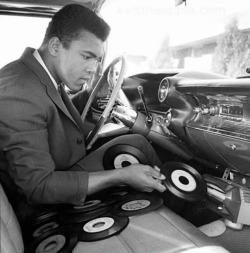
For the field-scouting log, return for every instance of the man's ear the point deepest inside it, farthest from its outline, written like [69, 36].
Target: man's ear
[54, 46]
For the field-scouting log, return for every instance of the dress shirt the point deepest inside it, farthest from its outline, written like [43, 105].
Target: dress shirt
[40, 60]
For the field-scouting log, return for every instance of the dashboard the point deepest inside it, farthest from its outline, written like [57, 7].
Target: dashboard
[208, 113]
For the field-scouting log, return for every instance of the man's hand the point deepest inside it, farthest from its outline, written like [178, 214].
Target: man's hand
[143, 177]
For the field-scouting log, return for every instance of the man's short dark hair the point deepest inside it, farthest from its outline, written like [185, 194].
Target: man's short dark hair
[68, 23]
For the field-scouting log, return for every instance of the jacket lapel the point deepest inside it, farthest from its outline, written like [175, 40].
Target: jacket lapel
[54, 95]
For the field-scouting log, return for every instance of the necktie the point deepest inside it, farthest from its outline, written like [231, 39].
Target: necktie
[71, 108]
[59, 87]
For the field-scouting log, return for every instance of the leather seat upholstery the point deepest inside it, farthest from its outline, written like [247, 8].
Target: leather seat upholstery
[11, 236]
[160, 231]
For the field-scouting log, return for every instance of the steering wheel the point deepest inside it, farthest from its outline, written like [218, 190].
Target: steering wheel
[115, 81]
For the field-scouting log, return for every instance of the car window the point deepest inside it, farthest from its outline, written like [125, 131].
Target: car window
[211, 35]
[19, 32]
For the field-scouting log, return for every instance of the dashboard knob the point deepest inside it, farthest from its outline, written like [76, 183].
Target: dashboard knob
[205, 110]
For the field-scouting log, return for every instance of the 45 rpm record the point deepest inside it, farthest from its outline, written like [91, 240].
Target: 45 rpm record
[61, 240]
[43, 217]
[184, 181]
[40, 224]
[90, 205]
[102, 227]
[138, 204]
[67, 218]
[44, 228]
[123, 155]
[117, 193]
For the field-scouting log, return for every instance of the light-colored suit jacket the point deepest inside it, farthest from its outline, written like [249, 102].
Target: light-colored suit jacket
[41, 142]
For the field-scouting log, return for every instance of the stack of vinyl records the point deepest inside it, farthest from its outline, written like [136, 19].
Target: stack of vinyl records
[59, 231]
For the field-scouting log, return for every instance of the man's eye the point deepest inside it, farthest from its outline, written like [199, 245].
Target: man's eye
[85, 57]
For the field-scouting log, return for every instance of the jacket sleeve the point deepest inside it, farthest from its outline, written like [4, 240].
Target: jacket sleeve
[26, 151]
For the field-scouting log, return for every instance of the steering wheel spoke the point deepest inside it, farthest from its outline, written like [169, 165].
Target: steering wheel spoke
[113, 75]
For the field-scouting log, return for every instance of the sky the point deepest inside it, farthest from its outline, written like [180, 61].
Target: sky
[145, 23]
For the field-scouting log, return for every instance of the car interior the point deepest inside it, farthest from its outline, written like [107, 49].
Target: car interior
[199, 124]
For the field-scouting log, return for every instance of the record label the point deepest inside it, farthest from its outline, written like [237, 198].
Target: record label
[124, 160]
[102, 227]
[59, 240]
[184, 180]
[52, 244]
[135, 205]
[123, 155]
[98, 225]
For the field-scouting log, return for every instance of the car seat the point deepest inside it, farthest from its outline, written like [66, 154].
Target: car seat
[11, 236]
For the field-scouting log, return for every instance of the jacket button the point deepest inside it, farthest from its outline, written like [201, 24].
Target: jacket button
[79, 141]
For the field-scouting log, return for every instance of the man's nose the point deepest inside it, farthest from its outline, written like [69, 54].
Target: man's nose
[92, 67]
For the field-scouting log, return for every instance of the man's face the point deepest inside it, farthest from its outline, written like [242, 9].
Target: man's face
[76, 64]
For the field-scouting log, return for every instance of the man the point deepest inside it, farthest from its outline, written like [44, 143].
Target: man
[42, 152]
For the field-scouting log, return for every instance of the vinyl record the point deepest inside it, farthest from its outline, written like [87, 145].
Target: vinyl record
[140, 203]
[44, 228]
[122, 155]
[61, 240]
[90, 205]
[42, 217]
[117, 193]
[102, 227]
[184, 181]
[67, 218]
[40, 224]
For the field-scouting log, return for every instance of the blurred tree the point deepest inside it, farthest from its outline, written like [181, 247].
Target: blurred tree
[232, 54]
[163, 58]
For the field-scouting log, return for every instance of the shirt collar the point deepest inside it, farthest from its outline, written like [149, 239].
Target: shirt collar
[40, 60]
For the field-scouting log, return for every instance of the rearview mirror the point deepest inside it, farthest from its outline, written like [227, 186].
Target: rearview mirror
[179, 2]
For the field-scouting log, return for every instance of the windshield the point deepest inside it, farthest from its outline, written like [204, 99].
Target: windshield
[209, 35]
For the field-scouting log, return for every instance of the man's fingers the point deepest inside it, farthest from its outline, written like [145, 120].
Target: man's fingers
[159, 187]
[155, 173]
[158, 177]
[157, 168]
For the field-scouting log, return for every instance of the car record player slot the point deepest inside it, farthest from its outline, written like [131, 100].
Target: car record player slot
[215, 192]
[229, 199]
